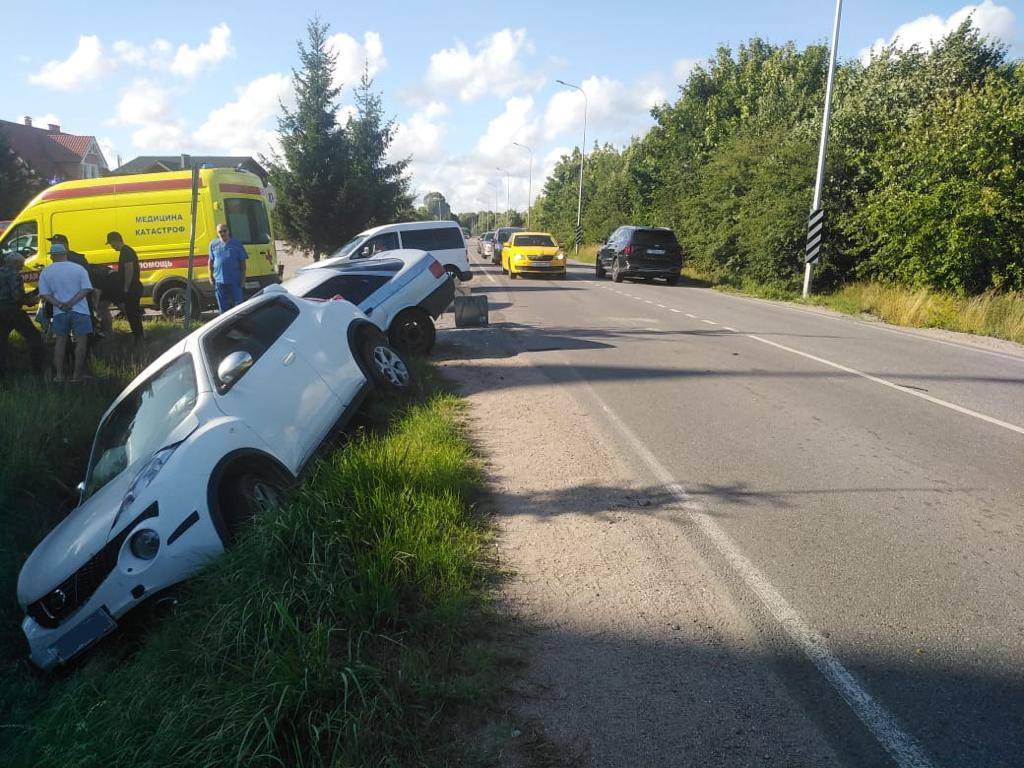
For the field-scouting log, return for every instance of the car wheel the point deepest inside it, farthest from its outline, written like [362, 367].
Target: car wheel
[616, 272]
[412, 332]
[672, 279]
[248, 496]
[171, 302]
[599, 268]
[387, 367]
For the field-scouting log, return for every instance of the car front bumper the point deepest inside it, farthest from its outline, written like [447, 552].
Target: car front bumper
[539, 268]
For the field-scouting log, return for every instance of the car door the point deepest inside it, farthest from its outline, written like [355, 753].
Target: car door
[605, 252]
[281, 397]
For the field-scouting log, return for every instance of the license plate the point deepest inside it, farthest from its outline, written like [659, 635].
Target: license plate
[656, 251]
[84, 634]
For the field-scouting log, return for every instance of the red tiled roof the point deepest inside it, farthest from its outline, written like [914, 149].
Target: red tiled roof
[45, 150]
[77, 144]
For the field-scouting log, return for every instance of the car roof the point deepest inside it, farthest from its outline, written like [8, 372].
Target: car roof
[377, 262]
[542, 234]
[409, 225]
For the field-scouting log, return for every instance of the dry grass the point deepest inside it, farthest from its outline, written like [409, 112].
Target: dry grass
[990, 314]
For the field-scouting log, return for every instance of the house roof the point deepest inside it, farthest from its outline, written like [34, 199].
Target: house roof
[146, 163]
[44, 150]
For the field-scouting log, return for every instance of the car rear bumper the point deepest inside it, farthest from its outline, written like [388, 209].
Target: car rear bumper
[437, 302]
[649, 269]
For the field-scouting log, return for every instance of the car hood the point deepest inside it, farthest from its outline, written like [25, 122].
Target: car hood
[76, 538]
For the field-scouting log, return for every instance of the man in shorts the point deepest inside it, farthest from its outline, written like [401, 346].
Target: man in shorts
[65, 286]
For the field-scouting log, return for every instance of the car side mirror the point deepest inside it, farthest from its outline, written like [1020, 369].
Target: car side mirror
[233, 366]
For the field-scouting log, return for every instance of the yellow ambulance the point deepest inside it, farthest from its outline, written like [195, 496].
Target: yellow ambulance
[152, 211]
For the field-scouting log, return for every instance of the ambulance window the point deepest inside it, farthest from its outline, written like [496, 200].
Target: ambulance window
[248, 220]
[21, 238]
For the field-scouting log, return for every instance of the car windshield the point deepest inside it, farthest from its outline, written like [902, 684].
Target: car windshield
[141, 423]
[654, 237]
[349, 248]
[534, 241]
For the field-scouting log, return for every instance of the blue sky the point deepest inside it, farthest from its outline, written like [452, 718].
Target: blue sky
[463, 80]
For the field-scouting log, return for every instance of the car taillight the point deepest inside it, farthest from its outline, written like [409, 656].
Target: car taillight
[435, 268]
[628, 250]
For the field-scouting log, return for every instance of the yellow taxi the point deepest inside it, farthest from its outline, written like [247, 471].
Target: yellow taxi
[532, 253]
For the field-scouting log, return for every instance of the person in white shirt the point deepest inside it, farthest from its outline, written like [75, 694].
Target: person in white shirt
[65, 285]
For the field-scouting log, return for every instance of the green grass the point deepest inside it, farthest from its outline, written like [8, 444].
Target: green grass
[991, 314]
[345, 629]
[587, 254]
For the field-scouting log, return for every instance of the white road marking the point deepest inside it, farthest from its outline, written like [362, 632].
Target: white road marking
[662, 306]
[726, 327]
[693, 317]
[670, 309]
[709, 322]
[648, 301]
[900, 745]
[892, 385]
[877, 326]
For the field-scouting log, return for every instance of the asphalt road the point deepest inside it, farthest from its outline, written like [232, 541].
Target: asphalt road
[859, 488]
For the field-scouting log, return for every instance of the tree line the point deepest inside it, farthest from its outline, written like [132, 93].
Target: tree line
[925, 176]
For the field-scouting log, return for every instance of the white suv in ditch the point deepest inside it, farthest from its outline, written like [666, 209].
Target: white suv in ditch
[204, 439]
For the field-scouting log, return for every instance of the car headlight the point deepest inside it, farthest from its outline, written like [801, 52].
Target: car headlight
[147, 474]
[518, 257]
[560, 256]
[144, 544]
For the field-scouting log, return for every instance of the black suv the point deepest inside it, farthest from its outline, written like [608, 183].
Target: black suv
[646, 252]
[500, 238]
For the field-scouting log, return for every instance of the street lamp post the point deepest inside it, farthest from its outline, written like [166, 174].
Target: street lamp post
[508, 196]
[583, 152]
[529, 193]
[819, 183]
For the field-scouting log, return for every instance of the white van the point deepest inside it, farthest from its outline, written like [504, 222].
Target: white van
[442, 239]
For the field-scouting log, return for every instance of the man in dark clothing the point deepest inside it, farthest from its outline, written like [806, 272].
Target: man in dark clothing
[130, 283]
[13, 317]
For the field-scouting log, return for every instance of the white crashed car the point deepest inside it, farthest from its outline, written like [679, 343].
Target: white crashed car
[401, 291]
[204, 439]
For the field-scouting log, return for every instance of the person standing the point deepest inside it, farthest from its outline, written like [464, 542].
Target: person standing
[13, 317]
[227, 268]
[65, 286]
[130, 283]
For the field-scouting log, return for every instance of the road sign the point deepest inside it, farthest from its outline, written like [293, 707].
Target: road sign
[815, 232]
[579, 235]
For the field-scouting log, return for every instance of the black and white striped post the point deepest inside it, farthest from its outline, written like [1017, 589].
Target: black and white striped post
[822, 153]
[815, 232]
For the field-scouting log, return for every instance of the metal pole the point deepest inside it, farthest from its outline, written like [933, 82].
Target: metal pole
[508, 196]
[529, 193]
[190, 283]
[583, 154]
[819, 183]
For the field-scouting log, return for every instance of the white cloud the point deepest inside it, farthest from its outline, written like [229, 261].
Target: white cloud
[612, 108]
[188, 61]
[147, 108]
[516, 123]
[683, 68]
[42, 121]
[551, 160]
[422, 135]
[159, 54]
[245, 126]
[493, 69]
[995, 21]
[352, 57]
[84, 65]
[109, 150]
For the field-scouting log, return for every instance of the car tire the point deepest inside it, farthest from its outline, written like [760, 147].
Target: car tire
[616, 272]
[412, 332]
[249, 495]
[171, 302]
[387, 368]
[672, 279]
[599, 269]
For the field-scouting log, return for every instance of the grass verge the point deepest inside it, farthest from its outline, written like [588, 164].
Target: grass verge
[339, 631]
[1000, 315]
